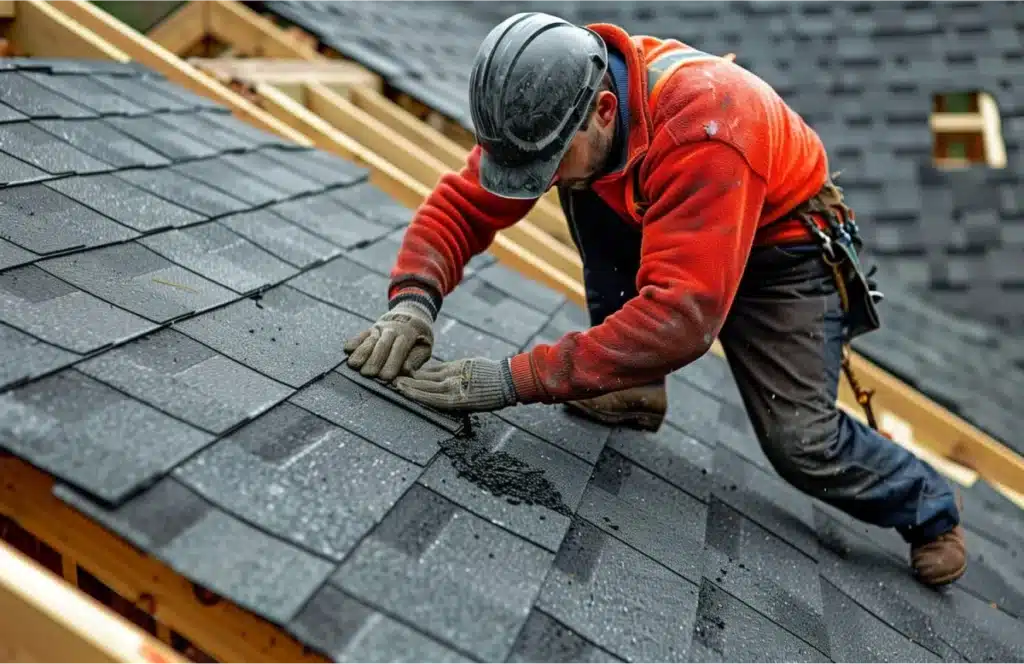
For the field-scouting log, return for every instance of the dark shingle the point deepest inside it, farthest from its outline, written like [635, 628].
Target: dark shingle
[8, 114]
[347, 630]
[323, 167]
[98, 139]
[37, 147]
[544, 639]
[258, 572]
[92, 436]
[137, 279]
[35, 101]
[488, 309]
[188, 99]
[450, 573]
[454, 340]
[186, 379]
[301, 478]
[359, 410]
[582, 437]
[88, 92]
[44, 221]
[618, 598]
[27, 357]
[220, 255]
[15, 171]
[281, 333]
[322, 215]
[12, 254]
[253, 136]
[347, 285]
[281, 238]
[221, 175]
[670, 454]
[183, 191]
[140, 93]
[124, 203]
[210, 133]
[511, 478]
[59, 313]
[264, 169]
[160, 136]
[370, 202]
[525, 290]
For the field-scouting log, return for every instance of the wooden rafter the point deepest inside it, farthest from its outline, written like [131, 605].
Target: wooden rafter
[41, 31]
[47, 620]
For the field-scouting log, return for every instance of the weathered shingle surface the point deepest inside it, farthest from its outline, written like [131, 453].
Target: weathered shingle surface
[171, 352]
[863, 75]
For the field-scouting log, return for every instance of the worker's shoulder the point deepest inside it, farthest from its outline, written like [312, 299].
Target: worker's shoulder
[716, 99]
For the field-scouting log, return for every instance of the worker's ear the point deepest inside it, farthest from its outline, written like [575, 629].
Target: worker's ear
[607, 107]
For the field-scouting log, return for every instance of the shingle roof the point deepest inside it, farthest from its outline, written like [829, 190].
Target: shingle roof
[172, 325]
[862, 74]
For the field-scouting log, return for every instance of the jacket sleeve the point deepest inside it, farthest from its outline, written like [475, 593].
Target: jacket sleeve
[458, 220]
[697, 235]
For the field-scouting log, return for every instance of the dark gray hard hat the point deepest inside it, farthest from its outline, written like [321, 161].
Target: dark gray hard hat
[533, 80]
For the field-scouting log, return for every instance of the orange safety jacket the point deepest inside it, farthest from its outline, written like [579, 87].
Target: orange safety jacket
[714, 159]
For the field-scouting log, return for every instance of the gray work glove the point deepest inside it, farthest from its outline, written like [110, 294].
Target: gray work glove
[399, 342]
[476, 384]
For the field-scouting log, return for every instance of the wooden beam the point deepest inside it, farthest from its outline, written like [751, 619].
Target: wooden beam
[336, 74]
[224, 630]
[46, 620]
[957, 122]
[41, 31]
[251, 34]
[7, 9]
[183, 29]
[426, 169]
[141, 49]
[995, 146]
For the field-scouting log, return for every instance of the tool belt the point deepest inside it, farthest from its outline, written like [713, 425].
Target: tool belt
[840, 245]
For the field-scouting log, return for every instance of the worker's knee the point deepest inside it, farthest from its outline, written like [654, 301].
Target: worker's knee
[804, 452]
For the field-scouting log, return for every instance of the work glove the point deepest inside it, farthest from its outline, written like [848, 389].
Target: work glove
[472, 385]
[401, 341]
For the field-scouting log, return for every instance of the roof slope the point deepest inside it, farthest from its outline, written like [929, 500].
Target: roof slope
[862, 74]
[175, 291]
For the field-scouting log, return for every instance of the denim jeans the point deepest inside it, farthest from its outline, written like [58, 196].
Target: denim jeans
[783, 340]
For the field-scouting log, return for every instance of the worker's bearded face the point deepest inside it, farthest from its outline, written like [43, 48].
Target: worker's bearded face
[590, 150]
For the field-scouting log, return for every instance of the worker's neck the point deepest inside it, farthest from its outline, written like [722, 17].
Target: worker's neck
[616, 159]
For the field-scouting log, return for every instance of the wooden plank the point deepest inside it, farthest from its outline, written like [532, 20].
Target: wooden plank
[956, 122]
[183, 29]
[995, 146]
[58, 623]
[41, 31]
[7, 9]
[335, 74]
[415, 161]
[251, 34]
[225, 631]
[141, 49]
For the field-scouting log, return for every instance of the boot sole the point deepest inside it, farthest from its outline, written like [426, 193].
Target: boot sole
[945, 580]
[645, 421]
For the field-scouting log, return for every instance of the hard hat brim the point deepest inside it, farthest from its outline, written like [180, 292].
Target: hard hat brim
[528, 181]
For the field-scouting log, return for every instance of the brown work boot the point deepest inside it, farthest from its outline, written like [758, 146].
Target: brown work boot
[942, 560]
[638, 407]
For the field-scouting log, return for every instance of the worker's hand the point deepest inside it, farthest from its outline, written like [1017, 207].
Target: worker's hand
[476, 384]
[399, 342]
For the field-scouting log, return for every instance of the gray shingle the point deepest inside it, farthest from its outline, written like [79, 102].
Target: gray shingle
[619, 599]
[259, 166]
[486, 308]
[349, 631]
[647, 513]
[544, 639]
[44, 221]
[60, 314]
[453, 422]
[220, 255]
[35, 146]
[323, 167]
[281, 238]
[281, 333]
[188, 99]
[198, 127]
[93, 436]
[301, 478]
[11, 255]
[322, 215]
[369, 201]
[27, 357]
[124, 203]
[253, 136]
[14, 171]
[160, 136]
[343, 402]
[8, 114]
[670, 454]
[35, 101]
[221, 175]
[258, 572]
[141, 94]
[511, 478]
[88, 92]
[582, 437]
[450, 573]
[347, 285]
[183, 191]
[98, 139]
[527, 291]
[454, 340]
[134, 278]
[186, 379]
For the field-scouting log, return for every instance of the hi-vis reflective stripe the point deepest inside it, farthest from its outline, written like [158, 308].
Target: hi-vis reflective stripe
[662, 67]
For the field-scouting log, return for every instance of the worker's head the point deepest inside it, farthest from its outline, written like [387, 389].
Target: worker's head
[542, 105]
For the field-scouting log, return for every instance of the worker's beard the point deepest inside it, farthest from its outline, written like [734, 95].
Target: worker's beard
[600, 151]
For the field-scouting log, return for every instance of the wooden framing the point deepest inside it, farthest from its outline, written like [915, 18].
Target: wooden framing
[979, 129]
[49, 621]
[41, 31]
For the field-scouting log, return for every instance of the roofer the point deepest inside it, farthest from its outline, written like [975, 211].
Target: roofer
[701, 206]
